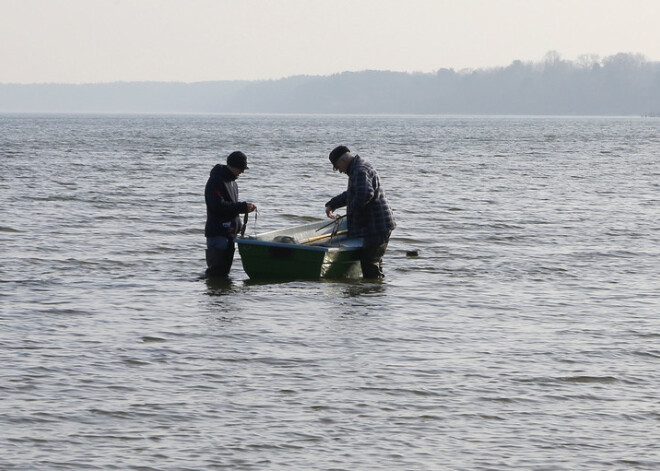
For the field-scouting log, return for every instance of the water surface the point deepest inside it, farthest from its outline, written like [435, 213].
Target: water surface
[524, 336]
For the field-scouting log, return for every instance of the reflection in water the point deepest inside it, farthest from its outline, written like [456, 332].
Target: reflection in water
[363, 288]
[224, 298]
[351, 288]
[271, 281]
[220, 286]
[357, 297]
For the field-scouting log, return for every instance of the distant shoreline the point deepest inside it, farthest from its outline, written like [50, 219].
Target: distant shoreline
[621, 85]
[102, 114]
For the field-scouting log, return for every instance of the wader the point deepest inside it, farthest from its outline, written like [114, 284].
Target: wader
[371, 255]
[219, 256]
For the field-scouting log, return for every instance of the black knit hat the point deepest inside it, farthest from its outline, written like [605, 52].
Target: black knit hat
[336, 153]
[237, 160]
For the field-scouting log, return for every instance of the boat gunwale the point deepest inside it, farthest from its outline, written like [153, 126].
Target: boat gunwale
[318, 228]
[316, 248]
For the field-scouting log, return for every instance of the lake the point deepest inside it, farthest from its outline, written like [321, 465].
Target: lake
[525, 335]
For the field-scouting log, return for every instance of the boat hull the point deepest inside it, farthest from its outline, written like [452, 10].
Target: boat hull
[328, 256]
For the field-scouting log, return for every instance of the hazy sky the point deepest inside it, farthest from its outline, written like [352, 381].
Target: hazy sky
[79, 41]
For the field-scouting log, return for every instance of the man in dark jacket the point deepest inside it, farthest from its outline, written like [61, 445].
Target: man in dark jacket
[367, 211]
[222, 213]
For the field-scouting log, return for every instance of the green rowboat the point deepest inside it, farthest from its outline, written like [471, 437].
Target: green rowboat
[311, 251]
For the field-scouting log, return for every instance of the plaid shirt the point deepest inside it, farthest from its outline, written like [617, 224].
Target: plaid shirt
[367, 209]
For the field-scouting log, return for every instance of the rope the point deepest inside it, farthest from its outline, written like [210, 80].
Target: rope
[256, 218]
[245, 221]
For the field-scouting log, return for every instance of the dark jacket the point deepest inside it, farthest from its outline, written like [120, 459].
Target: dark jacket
[222, 205]
[367, 210]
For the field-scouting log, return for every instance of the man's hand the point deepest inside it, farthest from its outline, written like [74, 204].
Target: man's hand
[328, 212]
[251, 207]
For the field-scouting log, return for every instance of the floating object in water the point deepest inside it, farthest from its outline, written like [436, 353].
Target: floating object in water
[412, 253]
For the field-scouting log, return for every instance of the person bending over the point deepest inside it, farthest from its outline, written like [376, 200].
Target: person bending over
[368, 213]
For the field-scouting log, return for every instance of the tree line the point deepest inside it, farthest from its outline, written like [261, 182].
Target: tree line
[621, 84]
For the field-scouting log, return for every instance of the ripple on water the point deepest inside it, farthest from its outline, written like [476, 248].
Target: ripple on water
[523, 335]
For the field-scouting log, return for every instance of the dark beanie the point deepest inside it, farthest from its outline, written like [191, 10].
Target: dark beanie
[237, 160]
[337, 152]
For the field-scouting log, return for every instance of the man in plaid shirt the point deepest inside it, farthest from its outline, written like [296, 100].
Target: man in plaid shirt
[367, 211]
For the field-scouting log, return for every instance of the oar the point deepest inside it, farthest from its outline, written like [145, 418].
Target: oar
[324, 236]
